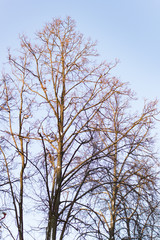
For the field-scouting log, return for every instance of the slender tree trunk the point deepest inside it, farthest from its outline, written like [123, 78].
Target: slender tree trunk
[60, 109]
[57, 193]
[128, 228]
[114, 189]
[21, 193]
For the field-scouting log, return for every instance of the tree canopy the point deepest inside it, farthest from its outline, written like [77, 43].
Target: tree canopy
[77, 161]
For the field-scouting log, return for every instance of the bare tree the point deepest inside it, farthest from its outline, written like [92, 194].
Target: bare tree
[69, 89]
[79, 155]
[14, 150]
[126, 170]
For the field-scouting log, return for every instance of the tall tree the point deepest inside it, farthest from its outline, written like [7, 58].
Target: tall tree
[67, 132]
[58, 73]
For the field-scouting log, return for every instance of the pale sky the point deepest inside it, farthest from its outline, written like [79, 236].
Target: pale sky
[128, 30]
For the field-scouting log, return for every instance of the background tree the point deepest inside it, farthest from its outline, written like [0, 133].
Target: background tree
[126, 173]
[14, 150]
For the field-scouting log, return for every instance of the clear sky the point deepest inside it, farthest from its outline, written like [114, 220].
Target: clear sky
[125, 29]
[128, 30]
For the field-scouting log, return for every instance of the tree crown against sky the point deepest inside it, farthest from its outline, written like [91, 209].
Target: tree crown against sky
[72, 151]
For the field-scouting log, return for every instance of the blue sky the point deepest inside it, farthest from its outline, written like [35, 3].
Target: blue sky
[128, 30]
